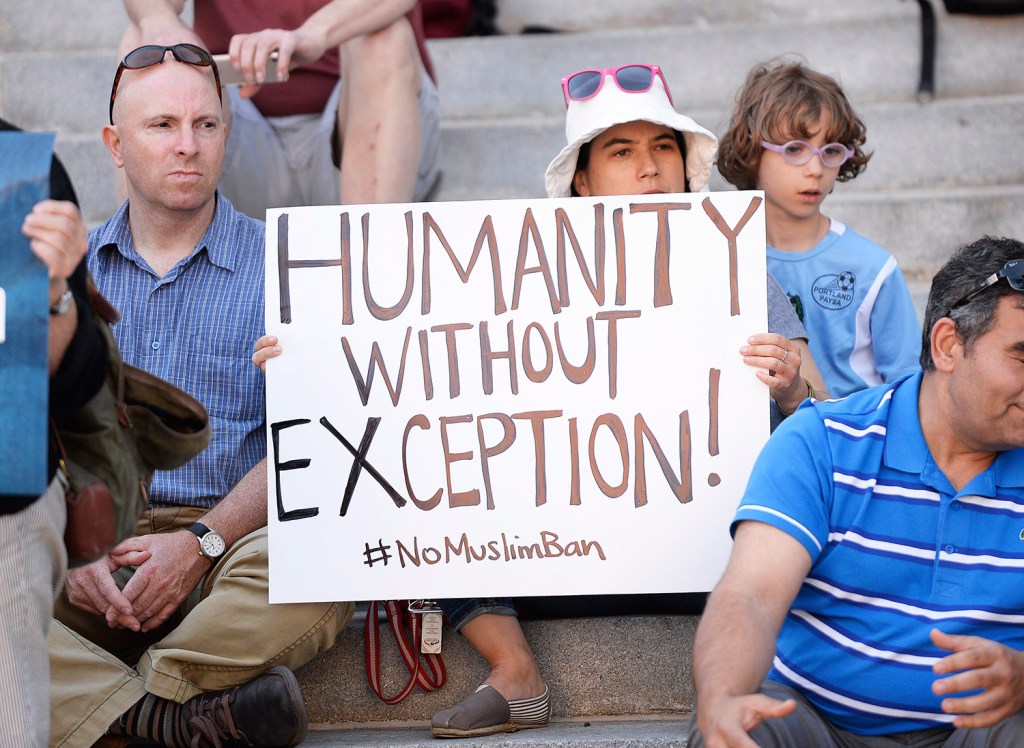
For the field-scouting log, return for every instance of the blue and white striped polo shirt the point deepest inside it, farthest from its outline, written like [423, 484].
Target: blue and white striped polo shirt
[896, 551]
[195, 327]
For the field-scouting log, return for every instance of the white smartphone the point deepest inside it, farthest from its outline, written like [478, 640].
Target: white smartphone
[231, 77]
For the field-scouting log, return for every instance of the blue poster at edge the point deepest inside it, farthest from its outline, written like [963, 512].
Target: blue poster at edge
[24, 316]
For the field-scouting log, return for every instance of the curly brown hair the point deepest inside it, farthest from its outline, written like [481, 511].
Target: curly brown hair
[781, 100]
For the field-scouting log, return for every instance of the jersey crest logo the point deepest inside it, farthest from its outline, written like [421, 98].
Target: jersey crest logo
[835, 291]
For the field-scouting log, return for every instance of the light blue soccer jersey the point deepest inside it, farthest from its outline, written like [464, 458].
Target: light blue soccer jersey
[851, 296]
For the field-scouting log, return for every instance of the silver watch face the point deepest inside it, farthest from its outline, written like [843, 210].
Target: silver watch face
[212, 544]
[63, 305]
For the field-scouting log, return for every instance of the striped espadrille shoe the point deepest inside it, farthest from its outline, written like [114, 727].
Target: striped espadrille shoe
[485, 712]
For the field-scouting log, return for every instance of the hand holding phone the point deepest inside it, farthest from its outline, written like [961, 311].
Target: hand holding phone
[231, 77]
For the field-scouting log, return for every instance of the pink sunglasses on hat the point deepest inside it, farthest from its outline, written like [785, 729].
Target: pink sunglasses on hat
[586, 84]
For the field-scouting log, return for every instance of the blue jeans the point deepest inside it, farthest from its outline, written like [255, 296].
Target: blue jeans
[461, 611]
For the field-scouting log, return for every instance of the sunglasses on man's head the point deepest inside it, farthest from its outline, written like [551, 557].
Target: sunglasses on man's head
[1013, 271]
[154, 54]
[629, 78]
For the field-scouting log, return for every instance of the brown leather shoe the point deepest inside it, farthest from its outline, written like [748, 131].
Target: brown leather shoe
[268, 712]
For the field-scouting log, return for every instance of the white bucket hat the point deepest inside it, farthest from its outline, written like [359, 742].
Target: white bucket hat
[585, 120]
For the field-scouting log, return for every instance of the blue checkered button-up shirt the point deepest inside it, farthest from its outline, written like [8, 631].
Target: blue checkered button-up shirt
[195, 327]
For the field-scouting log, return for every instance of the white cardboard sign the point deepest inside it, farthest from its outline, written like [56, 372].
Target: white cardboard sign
[511, 397]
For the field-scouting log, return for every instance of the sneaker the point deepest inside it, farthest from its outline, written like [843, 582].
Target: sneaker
[267, 712]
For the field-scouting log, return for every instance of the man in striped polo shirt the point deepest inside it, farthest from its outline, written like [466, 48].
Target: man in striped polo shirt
[875, 593]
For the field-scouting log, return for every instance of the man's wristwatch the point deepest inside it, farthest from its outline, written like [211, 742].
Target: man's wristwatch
[211, 543]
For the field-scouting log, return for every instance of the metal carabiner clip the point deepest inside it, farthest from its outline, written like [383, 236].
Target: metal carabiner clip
[421, 606]
[432, 620]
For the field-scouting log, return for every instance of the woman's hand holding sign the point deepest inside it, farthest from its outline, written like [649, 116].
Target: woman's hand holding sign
[779, 361]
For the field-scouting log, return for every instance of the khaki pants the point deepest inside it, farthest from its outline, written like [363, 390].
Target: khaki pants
[225, 634]
[32, 564]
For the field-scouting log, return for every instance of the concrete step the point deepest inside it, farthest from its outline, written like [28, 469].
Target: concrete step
[504, 123]
[578, 15]
[943, 143]
[915, 145]
[921, 228]
[920, 149]
[876, 58]
[621, 665]
[874, 51]
[591, 733]
[518, 76]
[91, 24]
[60, 25]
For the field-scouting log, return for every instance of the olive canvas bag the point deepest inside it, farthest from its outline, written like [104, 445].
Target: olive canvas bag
[137, 423]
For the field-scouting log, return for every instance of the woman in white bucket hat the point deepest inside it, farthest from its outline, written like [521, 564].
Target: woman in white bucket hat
[624, 137]
[599, 100]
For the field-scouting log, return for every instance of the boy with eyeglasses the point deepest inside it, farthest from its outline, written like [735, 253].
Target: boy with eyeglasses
[794, 134]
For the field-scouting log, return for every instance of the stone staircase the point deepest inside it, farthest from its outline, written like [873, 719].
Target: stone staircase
[944, 172]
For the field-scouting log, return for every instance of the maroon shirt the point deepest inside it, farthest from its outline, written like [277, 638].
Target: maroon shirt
[308, 87]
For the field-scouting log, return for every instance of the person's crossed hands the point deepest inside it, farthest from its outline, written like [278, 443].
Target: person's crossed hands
[167, 568]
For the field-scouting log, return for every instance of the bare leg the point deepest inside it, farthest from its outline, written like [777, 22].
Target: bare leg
[499, 640]
[378, 116]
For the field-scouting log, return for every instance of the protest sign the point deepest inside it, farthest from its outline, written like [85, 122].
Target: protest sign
[511, 397]
[24, 320]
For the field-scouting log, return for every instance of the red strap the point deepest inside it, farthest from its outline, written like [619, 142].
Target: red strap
[408, 647]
